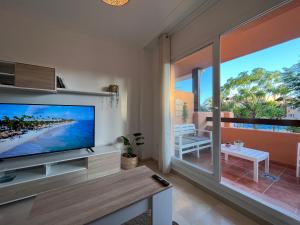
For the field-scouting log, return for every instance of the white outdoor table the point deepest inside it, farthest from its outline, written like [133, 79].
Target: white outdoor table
[253, 155]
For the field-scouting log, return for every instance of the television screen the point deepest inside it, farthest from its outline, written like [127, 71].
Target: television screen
[27, 129]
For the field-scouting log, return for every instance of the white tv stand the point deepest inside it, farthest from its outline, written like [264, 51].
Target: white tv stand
[39, 173]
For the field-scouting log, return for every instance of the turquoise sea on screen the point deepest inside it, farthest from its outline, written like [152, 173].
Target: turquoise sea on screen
[76, 135]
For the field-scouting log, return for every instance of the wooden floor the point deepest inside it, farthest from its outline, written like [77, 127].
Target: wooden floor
[191, 206]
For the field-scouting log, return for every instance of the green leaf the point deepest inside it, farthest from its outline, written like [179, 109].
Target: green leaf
[137, 134]
[139, 138]
[125, 140]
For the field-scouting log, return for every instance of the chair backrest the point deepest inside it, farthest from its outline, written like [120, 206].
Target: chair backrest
[184, 129]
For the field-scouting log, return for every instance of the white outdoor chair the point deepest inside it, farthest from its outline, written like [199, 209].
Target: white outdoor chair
[189, 139]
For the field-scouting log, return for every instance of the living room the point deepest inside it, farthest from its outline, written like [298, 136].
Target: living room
[87, 104]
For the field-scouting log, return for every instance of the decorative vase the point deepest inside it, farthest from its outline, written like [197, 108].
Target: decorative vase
[238, 144]
[129, 163]
[113, 88]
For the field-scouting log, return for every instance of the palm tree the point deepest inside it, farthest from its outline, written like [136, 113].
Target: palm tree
[7, 122]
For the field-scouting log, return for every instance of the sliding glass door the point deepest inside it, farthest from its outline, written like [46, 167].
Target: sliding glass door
[237, 111]
[196, 110]
[260, 105]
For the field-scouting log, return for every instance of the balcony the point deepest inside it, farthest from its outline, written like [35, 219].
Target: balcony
[280, 188]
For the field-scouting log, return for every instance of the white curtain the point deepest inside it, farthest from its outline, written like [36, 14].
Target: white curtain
[165, 150]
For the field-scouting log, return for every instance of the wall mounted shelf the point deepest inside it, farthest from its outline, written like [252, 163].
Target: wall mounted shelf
[22, 77]
[11, 87]
[70, 91]
[57, 91]
[7, 74]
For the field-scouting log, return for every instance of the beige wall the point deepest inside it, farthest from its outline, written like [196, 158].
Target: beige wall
[182, 97]
[281, 146]
[200, 119]
[85, 63]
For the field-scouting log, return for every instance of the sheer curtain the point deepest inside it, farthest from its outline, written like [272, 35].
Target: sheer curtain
[165, 150]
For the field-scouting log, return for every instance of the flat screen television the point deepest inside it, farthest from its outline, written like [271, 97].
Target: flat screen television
[30, 129]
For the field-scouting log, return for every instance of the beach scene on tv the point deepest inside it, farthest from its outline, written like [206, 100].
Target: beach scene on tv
[34, 129]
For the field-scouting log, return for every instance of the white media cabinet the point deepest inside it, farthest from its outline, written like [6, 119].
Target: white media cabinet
[39, 173]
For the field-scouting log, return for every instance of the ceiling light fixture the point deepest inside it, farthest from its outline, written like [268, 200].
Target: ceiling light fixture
[116, 2]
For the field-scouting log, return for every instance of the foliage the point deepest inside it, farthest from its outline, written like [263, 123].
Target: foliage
[131, 142]
[291, 77]
[293, 129]
[261, 94]
[28, 122]
[16, 126]
[185, 112]
[206, 106]
[253, 95]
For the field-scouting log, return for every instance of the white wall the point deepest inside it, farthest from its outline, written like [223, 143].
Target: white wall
[219, 18]
[88, 63]
[85, 63]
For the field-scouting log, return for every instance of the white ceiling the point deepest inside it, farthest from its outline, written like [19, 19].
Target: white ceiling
[139, 22]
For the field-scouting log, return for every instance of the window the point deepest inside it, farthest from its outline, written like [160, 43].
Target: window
[259, 94]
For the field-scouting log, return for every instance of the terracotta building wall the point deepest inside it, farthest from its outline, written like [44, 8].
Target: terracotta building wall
[182, 97]
[200, 119]
[281, 146]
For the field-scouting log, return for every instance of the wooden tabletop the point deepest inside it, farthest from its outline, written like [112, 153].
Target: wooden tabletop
[85, 202]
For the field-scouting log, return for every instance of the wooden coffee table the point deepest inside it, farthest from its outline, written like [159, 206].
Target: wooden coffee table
[253, 155]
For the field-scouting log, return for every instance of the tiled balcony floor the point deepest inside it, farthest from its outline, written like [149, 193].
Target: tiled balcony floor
[238, 174]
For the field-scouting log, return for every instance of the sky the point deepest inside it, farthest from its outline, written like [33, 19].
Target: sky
[274, 58]
[63, 112]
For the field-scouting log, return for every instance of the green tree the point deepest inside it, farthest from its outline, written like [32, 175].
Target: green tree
[291, 78]
[253, 95]
[7, 122]
[206, 106]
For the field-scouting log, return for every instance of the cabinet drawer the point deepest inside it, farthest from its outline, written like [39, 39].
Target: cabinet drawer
[32, 76]
[20, 191]
[103, 165]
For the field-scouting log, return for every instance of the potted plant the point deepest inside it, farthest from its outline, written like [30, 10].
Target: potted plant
[185, 112]
[239, 144]
[129, 159]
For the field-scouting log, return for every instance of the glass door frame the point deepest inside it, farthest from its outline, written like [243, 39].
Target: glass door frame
[216, 109]
[216, 121]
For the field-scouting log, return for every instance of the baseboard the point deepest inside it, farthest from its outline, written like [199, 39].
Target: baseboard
[147, 160]
[284, 164]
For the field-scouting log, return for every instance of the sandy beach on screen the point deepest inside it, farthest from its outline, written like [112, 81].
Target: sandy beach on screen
[10, 143]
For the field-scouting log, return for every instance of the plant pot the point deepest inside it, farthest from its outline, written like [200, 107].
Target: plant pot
[129, 163]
